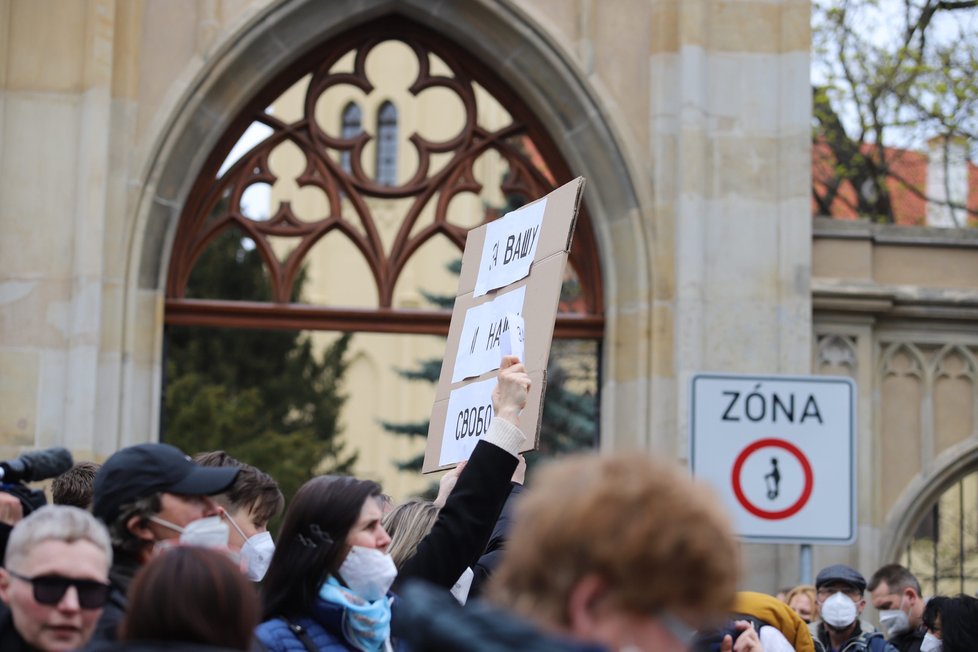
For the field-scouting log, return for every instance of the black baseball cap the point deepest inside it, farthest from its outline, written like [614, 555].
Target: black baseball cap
[140, 471]
[840, 573]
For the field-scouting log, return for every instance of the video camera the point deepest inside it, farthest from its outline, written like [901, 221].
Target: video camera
[31, 467]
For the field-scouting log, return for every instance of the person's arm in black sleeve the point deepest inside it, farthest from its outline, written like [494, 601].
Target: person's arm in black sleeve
[459, 536]
[484, 568]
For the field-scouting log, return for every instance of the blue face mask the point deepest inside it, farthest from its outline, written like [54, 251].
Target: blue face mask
[367, 625]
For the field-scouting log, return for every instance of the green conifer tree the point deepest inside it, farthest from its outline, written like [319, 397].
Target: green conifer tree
[265, 397]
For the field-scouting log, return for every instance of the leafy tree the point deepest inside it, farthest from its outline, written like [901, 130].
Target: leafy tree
[889, 75]
[263, 396]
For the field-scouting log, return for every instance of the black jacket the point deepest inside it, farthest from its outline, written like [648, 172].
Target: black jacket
[909, 641]
[430, 619]
[10, 640]
[490, 559]
[461, 533]
[120, 577]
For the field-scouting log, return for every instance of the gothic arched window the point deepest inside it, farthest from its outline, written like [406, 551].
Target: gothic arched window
[350, 127]
[285, 230]
[287, 180]
[387, 145]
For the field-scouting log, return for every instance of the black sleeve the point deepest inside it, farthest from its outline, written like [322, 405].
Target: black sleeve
[488, 562]
[4, 535]
[465, 523]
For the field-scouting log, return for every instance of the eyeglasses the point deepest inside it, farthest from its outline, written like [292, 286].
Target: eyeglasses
[825, 593]
[50, 589]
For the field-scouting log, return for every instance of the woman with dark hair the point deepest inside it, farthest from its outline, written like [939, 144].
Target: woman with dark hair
[328, 586]
[188, 599]
[952, 624]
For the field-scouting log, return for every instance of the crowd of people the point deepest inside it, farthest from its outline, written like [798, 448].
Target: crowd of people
[157, 551]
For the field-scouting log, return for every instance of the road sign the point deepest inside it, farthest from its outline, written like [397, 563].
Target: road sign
[780, 451]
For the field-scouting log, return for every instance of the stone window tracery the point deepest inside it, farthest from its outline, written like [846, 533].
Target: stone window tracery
[300, 184]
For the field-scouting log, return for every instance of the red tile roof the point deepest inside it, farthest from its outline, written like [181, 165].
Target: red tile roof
[907, 185]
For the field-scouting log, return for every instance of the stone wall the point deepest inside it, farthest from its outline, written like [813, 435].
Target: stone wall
[896, 309]
[690, 119]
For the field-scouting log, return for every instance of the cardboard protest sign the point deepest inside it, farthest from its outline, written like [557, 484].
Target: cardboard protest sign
[509, 288]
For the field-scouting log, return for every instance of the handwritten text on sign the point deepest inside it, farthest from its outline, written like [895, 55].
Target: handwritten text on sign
[509, 249]
[469, 416]
[482, 330]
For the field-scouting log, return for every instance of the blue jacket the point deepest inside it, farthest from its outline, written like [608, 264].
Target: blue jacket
[324, 628]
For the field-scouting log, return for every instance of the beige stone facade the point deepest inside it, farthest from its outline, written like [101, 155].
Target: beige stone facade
[689, 118]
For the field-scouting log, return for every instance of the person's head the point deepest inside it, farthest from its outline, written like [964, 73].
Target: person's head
[252, 500]
[407, 525]
[326, 518]
[954, 621]
[802, 600]
[839, 591]
[74, 486]
[618, 550]
[55, 577]
[782, 593]
[192, 594]
[148, 493]
[894, 590]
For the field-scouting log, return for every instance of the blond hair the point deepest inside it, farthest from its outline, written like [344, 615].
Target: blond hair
[656, 538]
[407, 524]
[806, 590]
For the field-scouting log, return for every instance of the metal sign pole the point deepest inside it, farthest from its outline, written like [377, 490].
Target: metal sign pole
[805, 564]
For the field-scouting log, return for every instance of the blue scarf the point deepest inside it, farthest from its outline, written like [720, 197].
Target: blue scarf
[367, 625]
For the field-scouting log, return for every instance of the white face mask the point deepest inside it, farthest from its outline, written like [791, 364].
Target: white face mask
[256, 552]
[894, 621]
[839, 610]
[368, 572]
[930, 643]
[207, 532]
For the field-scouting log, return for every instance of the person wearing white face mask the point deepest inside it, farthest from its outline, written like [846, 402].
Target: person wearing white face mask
[895, 592]
[248, 505]
[839, 590]
[952, 624]
[328, 586]
[150, 496]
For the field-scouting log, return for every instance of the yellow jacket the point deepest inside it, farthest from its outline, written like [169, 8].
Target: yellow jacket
[777, 614]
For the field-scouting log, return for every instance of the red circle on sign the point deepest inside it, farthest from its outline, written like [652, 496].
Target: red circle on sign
[763, 513]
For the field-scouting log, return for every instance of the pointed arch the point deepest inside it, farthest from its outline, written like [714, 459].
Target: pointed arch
[386, 165]
[194, 123]
[532, 163]
[350, 127]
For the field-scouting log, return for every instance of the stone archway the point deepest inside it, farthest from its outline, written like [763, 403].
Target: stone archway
[923, 491]
[503, 37]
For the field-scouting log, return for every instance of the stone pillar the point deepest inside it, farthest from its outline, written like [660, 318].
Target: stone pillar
[731, 141]
[53, 184]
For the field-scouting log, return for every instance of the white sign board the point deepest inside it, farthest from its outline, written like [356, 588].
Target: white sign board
[780, 451]
[483, 332]
[510, 247]
[469, 415]
[507, 301]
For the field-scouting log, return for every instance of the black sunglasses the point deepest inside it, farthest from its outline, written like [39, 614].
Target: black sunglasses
[50, 589]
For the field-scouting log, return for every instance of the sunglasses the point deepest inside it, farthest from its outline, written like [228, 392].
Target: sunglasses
[50, 589]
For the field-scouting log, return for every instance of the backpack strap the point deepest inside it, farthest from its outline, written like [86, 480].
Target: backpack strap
[300, 633]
